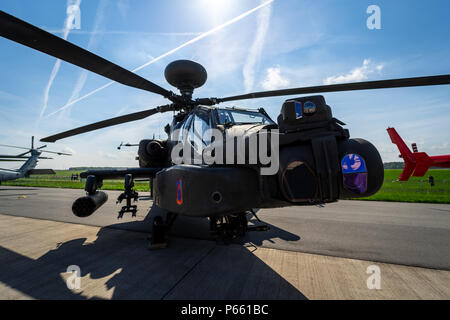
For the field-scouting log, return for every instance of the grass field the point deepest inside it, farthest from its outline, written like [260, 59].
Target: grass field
[414, 190]
[417, 189]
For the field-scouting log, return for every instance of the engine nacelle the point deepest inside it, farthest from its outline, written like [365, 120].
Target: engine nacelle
[152, 153]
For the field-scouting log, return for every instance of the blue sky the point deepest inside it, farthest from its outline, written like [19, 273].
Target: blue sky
[284, 44]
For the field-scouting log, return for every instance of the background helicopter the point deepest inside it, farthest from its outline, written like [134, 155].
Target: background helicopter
[30, 162]
[416, 163]
[318, 162]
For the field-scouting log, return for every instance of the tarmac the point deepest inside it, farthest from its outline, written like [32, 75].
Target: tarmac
[325, 252]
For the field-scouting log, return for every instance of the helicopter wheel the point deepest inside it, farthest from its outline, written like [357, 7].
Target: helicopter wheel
[230, 227]
[158, 237]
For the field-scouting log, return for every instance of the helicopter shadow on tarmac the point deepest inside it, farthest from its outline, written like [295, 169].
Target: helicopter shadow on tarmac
[118, 265]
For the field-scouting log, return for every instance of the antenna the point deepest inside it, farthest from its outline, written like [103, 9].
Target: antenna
[32, 142]
[127, 145]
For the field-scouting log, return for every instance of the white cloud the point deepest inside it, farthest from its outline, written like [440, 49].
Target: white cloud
[123, 7]
[69, 150]
[441, 148]
[274, 80]
[256, 48]
[357, 74]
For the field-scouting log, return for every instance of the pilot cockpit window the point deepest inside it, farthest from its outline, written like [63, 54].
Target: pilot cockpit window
[199, 132]
[234, 116]
[179, 130]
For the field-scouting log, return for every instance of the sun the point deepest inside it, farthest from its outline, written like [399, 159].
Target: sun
[216, 9]
[216, 5]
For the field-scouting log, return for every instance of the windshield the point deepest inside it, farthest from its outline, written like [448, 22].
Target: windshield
[233, 116]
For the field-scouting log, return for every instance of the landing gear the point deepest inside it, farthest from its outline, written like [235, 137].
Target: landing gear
[227, 228]
[128, 194]
[151, 188]
[160, 228]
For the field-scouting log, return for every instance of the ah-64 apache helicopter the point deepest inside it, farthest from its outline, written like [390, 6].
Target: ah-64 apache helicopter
[317, 161]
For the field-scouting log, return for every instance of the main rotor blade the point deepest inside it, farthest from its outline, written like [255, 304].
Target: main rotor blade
[55, 152]
[24, 33]
[13, 157]
[366, 85]
[22, 154]
[6, 145]
[109, 122]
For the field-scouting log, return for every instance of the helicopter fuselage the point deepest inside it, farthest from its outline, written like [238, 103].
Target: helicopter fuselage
[222, 161]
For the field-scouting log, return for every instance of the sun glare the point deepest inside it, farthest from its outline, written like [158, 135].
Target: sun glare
[216, 9]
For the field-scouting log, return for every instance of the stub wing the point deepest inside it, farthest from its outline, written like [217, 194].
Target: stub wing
[120, 173]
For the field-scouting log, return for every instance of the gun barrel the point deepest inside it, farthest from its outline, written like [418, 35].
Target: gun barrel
[87, 205]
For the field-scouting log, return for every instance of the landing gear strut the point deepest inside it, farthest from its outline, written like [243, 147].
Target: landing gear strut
[225, 228]
[230, 227]
[158, 238]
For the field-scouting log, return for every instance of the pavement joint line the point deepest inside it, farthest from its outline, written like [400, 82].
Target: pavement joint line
[111, 227]
[346, 258]
[440, 209]
[361, 259]
[99, 226]
[188, 272]
[59, 221]
[365, 223]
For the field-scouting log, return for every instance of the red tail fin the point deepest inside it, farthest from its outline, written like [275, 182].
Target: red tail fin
[407, 155]
[417, 162]
[423, 163]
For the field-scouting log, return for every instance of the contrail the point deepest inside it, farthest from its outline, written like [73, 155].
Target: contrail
[92, 42]
[119, 32]
[67, 26]
[256, 48]
[201, 36]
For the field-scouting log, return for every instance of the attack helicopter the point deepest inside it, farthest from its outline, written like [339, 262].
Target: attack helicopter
[28, 168]
[311, 159]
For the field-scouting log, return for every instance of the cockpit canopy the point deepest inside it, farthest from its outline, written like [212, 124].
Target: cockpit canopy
[195, 126]
[232, 116]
